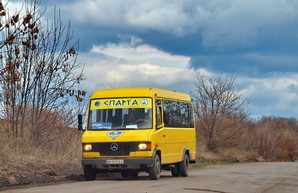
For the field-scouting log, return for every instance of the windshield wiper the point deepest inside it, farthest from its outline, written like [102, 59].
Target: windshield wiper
[123, 128]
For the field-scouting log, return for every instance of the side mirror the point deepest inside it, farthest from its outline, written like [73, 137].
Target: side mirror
[80, 122]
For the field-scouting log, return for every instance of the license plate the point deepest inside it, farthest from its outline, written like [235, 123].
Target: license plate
[115, 161]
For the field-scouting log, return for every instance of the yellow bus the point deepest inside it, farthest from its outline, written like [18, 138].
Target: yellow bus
[132, 130]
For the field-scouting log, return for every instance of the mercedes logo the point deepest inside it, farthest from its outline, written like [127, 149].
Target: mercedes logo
[144, 102]
[97, 104]
[114, 146]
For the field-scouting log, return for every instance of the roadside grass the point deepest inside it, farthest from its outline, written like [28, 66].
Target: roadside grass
[210, 163]
[218, 163]
[23, 163]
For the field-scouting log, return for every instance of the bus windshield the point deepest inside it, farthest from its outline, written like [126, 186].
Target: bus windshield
[119, 114]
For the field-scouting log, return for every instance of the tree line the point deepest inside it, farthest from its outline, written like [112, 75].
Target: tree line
[223, 121]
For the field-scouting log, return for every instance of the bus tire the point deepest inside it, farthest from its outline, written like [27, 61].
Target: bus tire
[184, 166]
[175, 171]
[89, 173]
[154, 172]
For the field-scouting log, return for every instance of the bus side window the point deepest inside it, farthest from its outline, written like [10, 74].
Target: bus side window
[158, 114]
[166, 118]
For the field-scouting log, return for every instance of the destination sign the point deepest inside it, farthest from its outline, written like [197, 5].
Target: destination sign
[121, 103]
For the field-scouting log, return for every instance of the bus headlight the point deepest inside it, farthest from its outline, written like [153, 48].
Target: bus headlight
[87, 147]
[144, 146]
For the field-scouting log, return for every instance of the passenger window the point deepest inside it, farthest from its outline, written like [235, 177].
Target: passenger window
[158, 113]
[177, 114]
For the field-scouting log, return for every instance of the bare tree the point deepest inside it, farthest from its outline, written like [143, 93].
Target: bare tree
[38, 69]
[219, 109]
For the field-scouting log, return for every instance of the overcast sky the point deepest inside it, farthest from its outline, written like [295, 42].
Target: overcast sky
[165, 43]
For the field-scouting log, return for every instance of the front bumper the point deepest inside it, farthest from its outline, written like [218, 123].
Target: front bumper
[127, 163]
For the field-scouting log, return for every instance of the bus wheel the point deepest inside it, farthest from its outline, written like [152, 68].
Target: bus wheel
[89, 173]
[154, 172]
[175, 171]
[184, 166]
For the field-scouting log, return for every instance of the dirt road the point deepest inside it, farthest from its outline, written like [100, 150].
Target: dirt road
[239, 178]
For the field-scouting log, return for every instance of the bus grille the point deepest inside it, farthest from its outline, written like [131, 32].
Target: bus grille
[115, 149]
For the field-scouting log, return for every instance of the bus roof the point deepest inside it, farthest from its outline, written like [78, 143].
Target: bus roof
[140, 92]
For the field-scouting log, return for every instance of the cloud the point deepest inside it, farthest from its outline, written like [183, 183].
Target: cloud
[276, 96]
[166, 16]
[220, 26]
[248, 64]
[226, 24]
[293, 88]
[241, 24]
[127, 65]
[14, 7]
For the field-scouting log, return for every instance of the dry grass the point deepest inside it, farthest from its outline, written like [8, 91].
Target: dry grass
[227, 155]
[270, 139]
[23, 163]
[281, 145]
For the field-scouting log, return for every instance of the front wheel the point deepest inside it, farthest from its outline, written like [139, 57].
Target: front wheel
[89, 173]
[184, 166]
[154, 172]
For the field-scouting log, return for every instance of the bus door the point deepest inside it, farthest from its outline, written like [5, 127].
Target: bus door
[165, 137]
